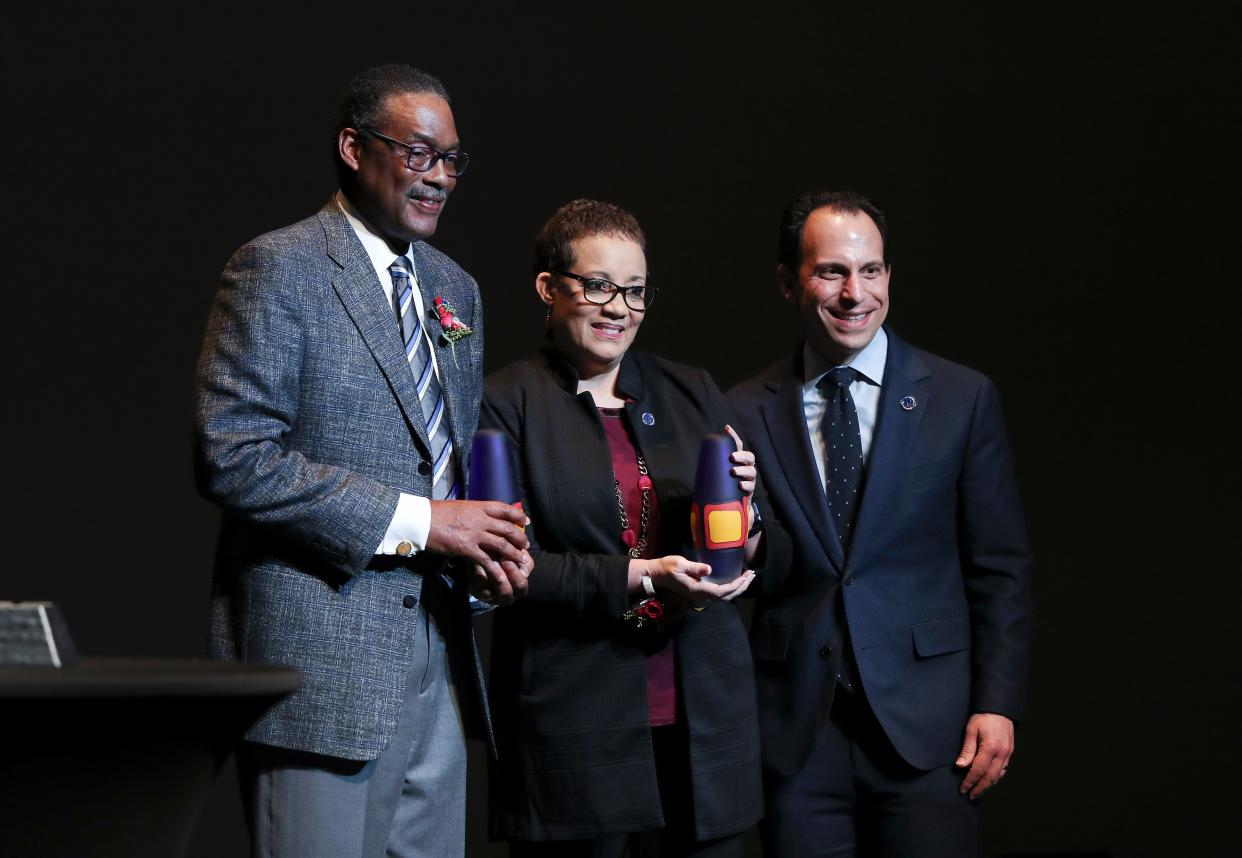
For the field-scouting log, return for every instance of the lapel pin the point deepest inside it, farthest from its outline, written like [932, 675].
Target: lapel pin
[648, 418]
[908, 403]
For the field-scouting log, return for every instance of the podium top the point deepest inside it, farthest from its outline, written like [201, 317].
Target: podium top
[147, 677]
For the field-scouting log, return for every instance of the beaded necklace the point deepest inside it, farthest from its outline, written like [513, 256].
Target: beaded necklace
[650, 609]
[636, 544]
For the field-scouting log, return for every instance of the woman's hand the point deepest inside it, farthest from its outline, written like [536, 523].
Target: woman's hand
[743, 466]
[738, 585]
[685, 578]
[746, 472]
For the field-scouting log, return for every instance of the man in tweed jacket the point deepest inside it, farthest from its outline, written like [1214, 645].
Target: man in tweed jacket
[333, 558]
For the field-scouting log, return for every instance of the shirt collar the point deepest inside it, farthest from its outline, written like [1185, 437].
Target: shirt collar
[377, 249]
[869, 362]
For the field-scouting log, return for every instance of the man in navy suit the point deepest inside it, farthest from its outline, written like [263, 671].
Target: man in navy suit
[334, 415]
[891, 656]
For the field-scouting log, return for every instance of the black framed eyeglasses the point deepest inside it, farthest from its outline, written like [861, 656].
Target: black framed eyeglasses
[421, 158]
[597, 290]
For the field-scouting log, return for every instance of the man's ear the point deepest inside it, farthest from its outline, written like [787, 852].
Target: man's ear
[788, 283]
[545, 288]
[349, 146]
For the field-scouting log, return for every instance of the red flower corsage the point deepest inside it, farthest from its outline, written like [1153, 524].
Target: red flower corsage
[452, 329]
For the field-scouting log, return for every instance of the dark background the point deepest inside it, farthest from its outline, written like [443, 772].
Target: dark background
[1054, 181]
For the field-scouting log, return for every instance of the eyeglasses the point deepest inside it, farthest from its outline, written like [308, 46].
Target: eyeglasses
[422, 158]
[597, 290]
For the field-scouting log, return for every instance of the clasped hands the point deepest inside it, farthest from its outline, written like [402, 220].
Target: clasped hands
[492, 536]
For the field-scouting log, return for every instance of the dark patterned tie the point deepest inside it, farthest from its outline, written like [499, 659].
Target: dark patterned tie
[843, 465]
[418, 353]
[843, 469]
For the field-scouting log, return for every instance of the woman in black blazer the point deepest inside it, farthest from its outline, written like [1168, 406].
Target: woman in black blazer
[615, 735]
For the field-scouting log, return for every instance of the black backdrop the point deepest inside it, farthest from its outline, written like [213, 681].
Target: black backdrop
[1052, 178]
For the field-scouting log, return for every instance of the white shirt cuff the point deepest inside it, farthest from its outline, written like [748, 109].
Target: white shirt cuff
[410, 523]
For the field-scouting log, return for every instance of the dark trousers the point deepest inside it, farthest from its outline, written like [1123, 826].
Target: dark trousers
[675, 840]
[857, 797]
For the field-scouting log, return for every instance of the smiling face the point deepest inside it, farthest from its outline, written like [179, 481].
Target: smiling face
[841, 285]
[594, 337]
[399, 204]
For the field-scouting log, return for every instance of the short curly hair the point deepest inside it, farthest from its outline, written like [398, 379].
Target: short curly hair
[580, 219]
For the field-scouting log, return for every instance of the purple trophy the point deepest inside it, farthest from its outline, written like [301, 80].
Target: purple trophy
[493, 476]
[718, 516]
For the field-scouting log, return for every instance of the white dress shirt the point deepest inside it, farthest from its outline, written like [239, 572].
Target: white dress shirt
[866, 392]
[412, 520]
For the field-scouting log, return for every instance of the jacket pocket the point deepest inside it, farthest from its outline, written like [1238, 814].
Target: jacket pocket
[770, 643]
[941, 636]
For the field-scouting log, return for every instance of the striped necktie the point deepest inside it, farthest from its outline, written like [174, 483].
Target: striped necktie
[430, 396]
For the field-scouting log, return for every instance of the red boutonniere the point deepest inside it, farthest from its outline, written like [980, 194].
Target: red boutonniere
[452, 329]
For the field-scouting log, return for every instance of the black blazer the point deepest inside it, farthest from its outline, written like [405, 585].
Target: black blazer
[936, 586]
[568, 679]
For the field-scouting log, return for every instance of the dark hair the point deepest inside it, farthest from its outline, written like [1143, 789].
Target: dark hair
[579, 219]
[789, 244]
[363, 102]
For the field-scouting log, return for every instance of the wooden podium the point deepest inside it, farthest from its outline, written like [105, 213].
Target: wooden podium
[113, 757]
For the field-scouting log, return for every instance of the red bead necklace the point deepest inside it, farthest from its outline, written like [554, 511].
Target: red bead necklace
[650, 609]
[636, 543]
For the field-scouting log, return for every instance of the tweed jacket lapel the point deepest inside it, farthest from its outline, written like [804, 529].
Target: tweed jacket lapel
[454, 365]
[361, 293]
[905, 375]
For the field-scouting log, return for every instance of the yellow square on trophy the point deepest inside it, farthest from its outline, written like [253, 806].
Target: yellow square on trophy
[724, 526]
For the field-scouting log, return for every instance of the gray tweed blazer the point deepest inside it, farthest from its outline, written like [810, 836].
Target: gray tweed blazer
[308, 427]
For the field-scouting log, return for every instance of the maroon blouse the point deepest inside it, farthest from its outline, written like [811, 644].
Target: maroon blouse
[661, 679]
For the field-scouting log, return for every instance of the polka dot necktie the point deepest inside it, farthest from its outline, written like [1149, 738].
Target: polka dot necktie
[418, 353]
[843, 465]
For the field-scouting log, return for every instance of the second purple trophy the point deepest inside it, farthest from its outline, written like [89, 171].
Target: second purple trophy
[493, 475]
[718, 515]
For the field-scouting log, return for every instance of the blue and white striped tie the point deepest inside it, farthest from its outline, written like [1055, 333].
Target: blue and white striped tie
[418, 353]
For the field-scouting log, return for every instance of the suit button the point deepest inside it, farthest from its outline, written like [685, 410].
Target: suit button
[825, 651]
[850, 580]
[424, 468]
[409, 601]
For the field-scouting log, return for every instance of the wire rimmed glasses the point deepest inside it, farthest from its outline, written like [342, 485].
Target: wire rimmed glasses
[420, 157]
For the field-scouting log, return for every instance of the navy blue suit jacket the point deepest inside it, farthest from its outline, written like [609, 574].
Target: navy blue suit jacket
[936, 585]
